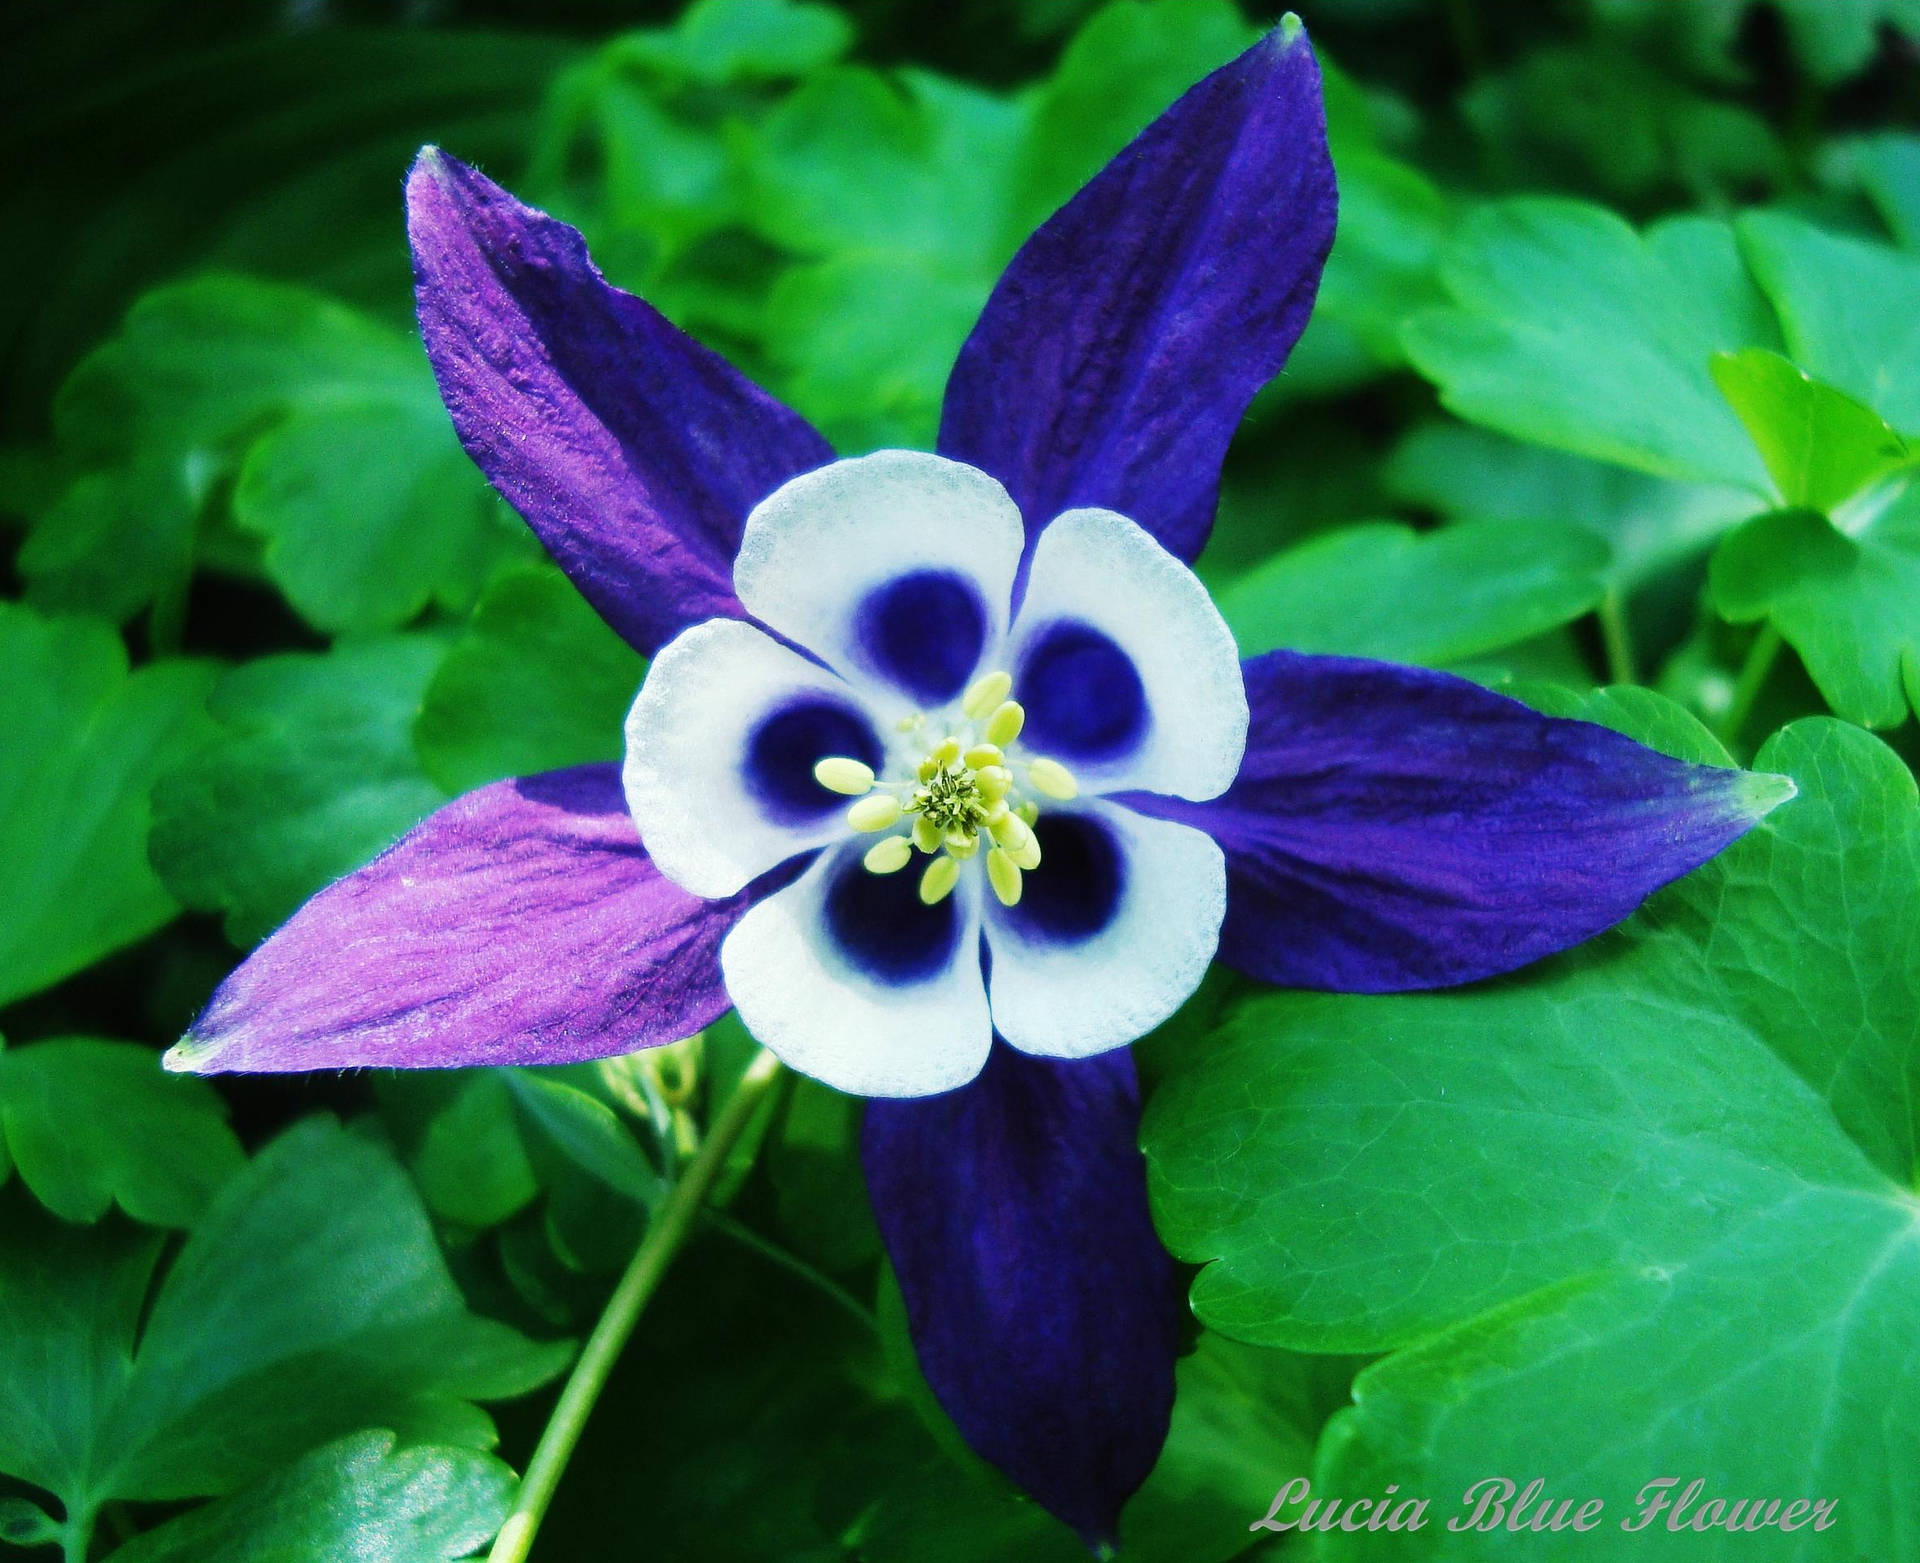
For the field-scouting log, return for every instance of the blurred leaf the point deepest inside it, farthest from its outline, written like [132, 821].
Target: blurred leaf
[460, 1138]
[535, 682]
[89, 1123]
[1467, 473]
[1595, 115]
[585, 1131]
[813, 1162]
[1889, 168]
[1381, 590]
[1570, 330]
[26, 1524]
[1821, 447]
[1579, 1197]
[83, 742]
[1833, 39]
[286, 134]
[311, 772]
[1850, 310]
[309, 1301]
[719, 42]
[326, 422]
[360, 1497]
[1848, 601]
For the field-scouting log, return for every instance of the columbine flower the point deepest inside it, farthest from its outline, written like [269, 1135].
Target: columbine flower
[987, 696]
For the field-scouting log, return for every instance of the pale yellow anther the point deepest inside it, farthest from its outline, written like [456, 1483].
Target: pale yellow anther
[926, 835]
[1029, 811]
[875, 812]
[961, 845]
[1005, 723]
[984, 693]
[1004, 875]
[995, 782]
[980, 756]
[937, 883]
[1053, 779]
[889, 856]
[1009, 830]
[837, 773]
[944, 753]
[1028, 853]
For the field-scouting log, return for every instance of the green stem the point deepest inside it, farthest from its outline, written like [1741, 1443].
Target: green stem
[1747, 687]
[773, 1253]
[76, 1537]
[666, 1233]
[1617, 638]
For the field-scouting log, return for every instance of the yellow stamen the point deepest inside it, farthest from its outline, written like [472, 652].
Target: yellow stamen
[944, 753]
[980, 756]
[937, 883]
[995, 782]
[874, 812]
[926, 835]
[1005, 723]
[1010, 831]
[837, 773]
[1053, 779]
[1004, 875]
[889, 856]
[984, 693]
[962, 845]
[1027, 855]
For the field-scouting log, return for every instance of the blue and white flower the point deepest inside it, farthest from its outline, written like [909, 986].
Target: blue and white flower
[939, 749]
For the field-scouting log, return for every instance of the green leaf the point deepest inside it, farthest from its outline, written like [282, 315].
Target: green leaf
[585, 1131]
[309, 1301]
[1472, 474]
[1570, 330]
[89, 1123]
[1381, 590]
[1821, 447]
[1850, 310]
[1587, 1201]
[84, 740]
[312, 772]
[327, 423]
[1847, 600]
[460, 1138]
[536, 682]
[718, 42]
[360, 1497]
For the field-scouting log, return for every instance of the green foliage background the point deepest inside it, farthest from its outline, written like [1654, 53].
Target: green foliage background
[1614, 380]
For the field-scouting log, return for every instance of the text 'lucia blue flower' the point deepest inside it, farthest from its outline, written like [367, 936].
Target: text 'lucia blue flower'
[939, 749]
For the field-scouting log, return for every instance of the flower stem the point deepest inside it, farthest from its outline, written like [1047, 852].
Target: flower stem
[1746, 688]
[665, 1234]
[1617, 638]
[76, 1537]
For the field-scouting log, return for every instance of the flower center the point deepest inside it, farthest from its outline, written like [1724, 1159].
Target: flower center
[973, 782]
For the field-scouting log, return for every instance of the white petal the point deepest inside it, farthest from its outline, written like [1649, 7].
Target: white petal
[822, 1001]
[720, 755]
[1098, 583]
[1063, 992]
[896, 568]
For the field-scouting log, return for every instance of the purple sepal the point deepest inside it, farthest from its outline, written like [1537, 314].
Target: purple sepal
[633, 452]
[521, 924]
[1044, 1310]
[1121, 347]
[1394, 828]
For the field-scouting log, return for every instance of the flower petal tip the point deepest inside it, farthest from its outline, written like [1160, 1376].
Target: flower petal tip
[1289, 30]
[191, 1055]
[1762, 792]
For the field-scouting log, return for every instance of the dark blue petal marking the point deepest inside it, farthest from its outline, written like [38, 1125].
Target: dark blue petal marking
[1076, 890]
[882, 927]
[787, 745]
[1083, 696]
[924, 632]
